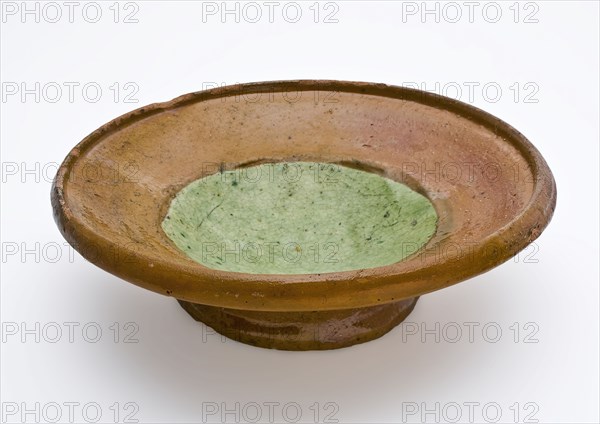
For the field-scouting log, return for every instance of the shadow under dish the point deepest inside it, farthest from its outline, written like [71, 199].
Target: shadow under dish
[298, 218]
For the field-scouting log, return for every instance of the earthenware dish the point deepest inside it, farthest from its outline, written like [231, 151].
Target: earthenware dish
[491, 190]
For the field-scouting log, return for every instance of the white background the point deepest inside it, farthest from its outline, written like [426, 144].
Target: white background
[176, 369]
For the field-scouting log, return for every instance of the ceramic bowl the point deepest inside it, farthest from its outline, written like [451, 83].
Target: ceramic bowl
[491, 190]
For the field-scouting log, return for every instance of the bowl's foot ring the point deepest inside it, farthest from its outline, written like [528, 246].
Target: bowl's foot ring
[316, 330]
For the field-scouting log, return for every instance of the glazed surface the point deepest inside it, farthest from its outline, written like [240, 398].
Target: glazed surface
[298, 218]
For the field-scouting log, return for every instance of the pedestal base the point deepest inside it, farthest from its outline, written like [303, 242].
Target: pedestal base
[316, 330]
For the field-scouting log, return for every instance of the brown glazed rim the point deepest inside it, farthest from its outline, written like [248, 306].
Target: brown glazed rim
[328, 291]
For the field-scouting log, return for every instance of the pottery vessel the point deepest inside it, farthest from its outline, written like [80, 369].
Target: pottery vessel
[491, 189]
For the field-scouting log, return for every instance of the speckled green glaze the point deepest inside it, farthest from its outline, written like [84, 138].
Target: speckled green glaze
[298, 218]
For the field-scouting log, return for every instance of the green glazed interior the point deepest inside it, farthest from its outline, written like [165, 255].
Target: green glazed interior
[298, 218]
